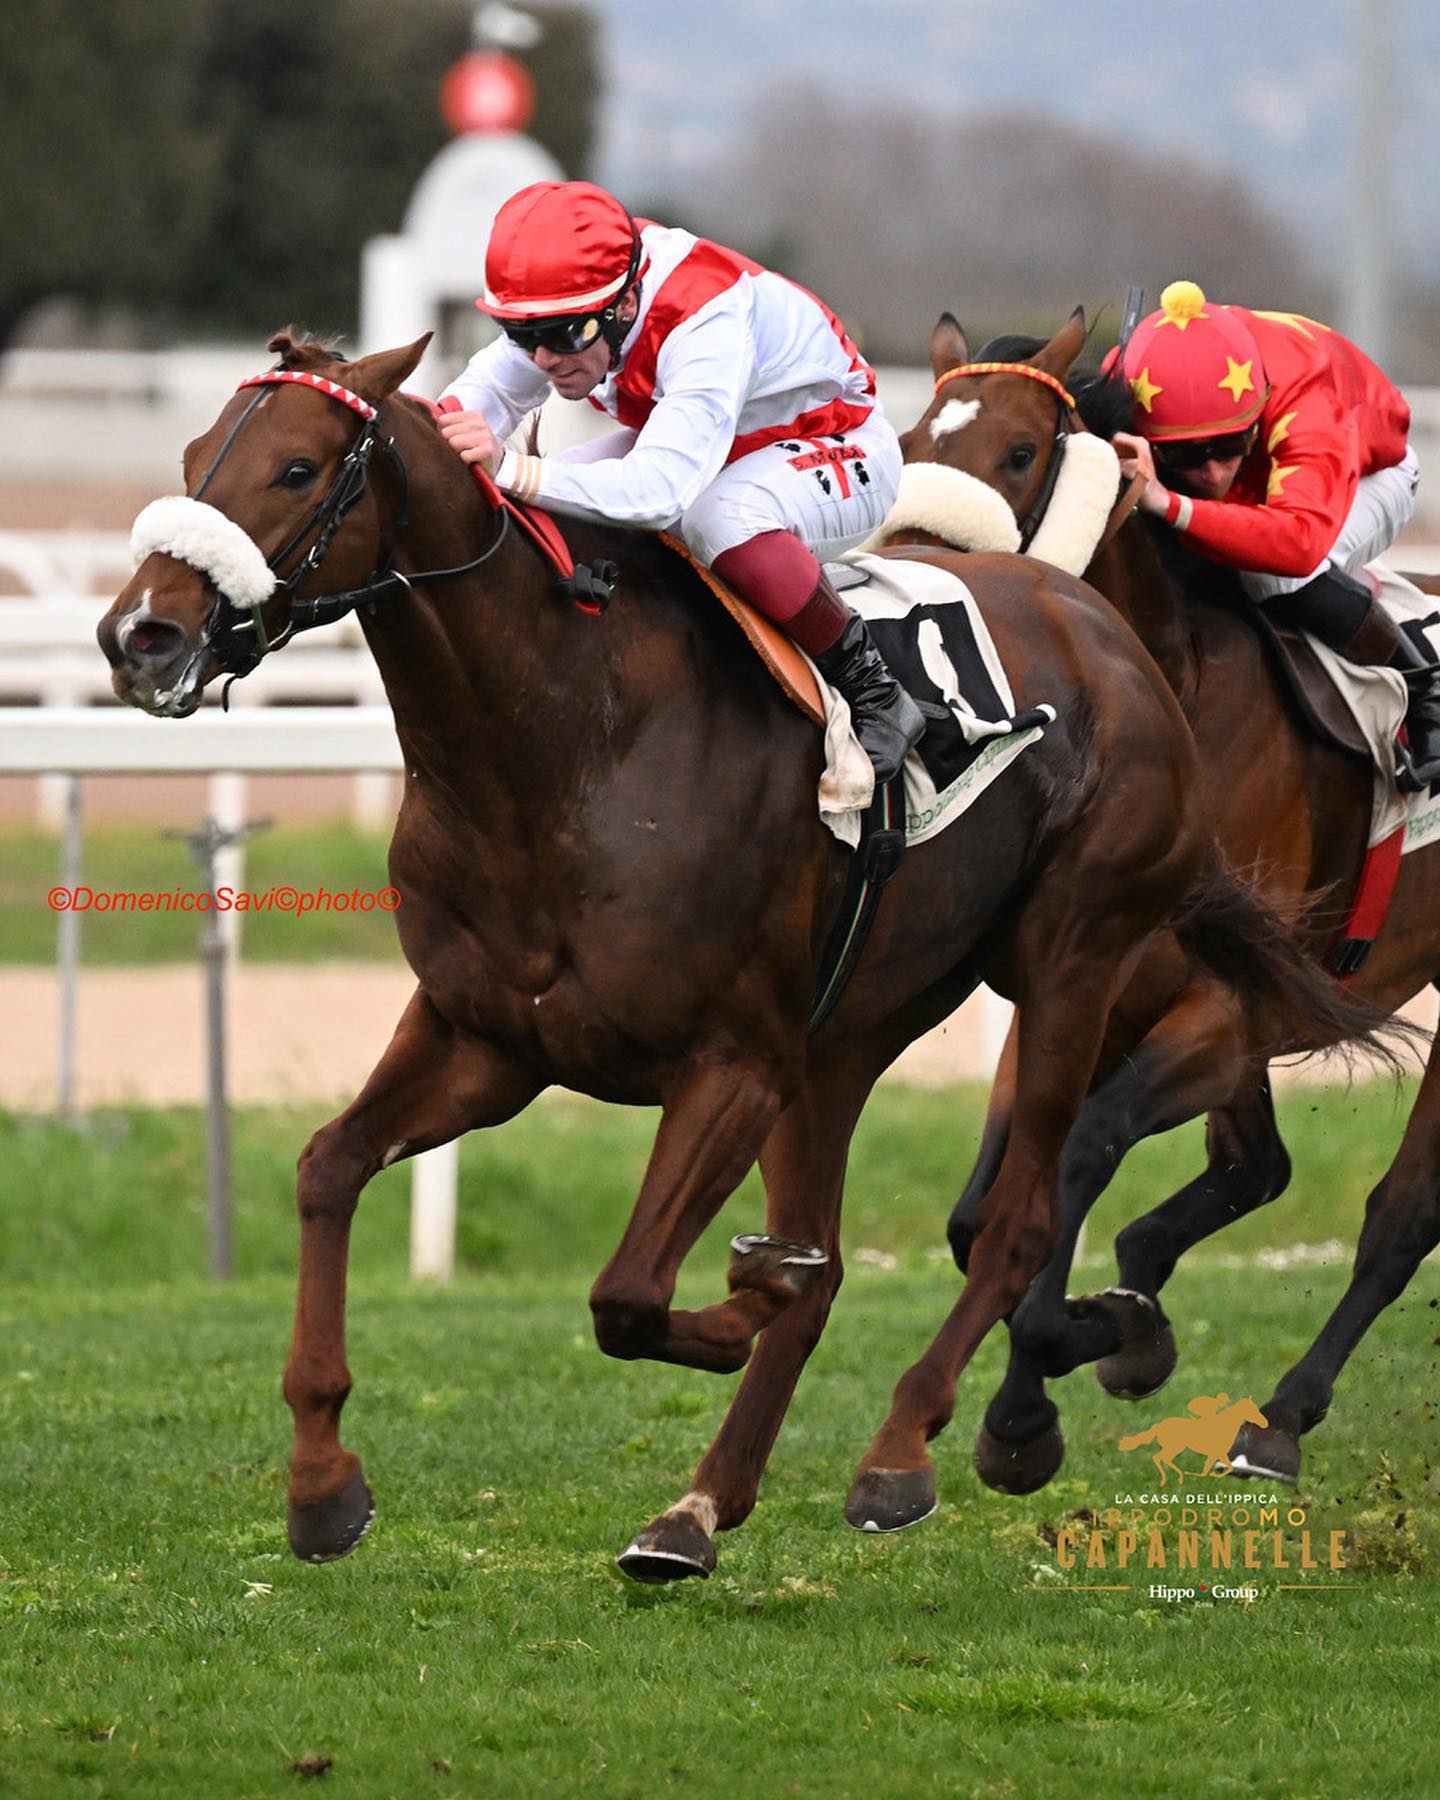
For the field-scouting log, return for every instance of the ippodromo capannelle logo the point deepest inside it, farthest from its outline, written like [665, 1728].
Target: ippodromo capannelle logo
[1198, 1540]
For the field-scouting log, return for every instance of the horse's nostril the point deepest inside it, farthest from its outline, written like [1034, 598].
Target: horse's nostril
[153, 639]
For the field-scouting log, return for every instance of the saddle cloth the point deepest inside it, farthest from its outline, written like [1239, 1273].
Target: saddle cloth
[1375, 700]
[934, 640]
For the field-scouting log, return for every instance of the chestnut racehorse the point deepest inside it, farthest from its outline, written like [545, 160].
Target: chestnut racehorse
[614, 878]
[1283, 804]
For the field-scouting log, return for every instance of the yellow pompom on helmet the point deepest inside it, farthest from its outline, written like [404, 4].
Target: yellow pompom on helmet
[1194, 368]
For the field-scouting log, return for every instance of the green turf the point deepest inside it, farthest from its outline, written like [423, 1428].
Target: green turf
[137, 859]
[158, 1639]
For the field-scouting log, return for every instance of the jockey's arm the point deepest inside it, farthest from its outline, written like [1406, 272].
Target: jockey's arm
[1311, 451]
[703, 374]
[501, 383]
[605, 448]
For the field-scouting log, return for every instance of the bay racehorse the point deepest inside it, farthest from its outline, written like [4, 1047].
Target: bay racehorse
[1285, 805]
[613, 878]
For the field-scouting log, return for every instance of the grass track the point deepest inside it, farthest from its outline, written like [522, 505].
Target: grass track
[157, 1638]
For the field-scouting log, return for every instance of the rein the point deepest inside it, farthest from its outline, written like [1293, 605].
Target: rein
[237, 634]
[1031, 523]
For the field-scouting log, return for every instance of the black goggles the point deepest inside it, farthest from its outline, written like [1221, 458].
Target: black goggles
[1195, 456]
[562, 337]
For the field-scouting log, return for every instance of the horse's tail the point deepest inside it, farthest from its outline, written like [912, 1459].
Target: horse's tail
[1140, 1437]
[1226, 924]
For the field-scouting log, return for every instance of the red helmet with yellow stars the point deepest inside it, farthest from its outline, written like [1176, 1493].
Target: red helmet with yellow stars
[1194, 369]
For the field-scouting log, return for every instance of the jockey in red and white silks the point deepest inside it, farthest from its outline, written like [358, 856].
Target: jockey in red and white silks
[746, 420]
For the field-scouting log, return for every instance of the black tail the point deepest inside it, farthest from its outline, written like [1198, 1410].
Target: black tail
[1225, 924]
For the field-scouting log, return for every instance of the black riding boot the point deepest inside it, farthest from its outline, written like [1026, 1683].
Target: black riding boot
[886, 720]
[1342, 613]
[1422, 716]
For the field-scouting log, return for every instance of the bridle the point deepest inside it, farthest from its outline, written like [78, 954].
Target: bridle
[1067, 419]
[236, 634]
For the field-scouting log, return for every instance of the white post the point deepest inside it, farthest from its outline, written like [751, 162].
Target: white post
[1368, 264]
[68, 948]
[227, 810]
[432, 1212]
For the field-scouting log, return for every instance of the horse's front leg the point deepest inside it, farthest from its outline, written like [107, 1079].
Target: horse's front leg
[803, 1163]
[712, 1129]
[432, 1084]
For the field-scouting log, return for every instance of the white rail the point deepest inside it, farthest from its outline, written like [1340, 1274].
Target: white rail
[78, 740]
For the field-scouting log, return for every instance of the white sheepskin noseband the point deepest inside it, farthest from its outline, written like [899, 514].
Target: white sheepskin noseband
[955, 506]
[1085, 494]
[202, 536]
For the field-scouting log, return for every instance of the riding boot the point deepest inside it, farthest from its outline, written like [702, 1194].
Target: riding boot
[1342, 613]
[1422, 715]
[886, 720]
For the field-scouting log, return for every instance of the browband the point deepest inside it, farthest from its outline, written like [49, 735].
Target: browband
[306, 379]
[1009, 368]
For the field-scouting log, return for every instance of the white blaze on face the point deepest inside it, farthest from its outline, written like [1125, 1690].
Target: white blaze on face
[954, 415]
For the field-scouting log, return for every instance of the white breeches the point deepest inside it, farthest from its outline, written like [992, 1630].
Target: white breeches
[829, 493]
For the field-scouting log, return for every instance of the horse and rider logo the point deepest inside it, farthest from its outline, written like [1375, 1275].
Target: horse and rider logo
[1209, 1428]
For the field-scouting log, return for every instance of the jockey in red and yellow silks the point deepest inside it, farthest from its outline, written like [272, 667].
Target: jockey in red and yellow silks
[1277, 447]
[746, 419]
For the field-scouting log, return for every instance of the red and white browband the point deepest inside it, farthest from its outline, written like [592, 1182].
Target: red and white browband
[306, 379]
[1009, 368]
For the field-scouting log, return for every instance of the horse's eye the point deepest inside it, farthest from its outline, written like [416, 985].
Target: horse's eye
[1020, 458]
[297, 474]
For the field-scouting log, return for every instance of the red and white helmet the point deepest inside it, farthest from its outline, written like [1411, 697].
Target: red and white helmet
[1194, 368]
[559, 249]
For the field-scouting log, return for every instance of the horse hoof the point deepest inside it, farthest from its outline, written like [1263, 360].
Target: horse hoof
[1147, 1355]
[1018, 1468]
[332, 1528]
[890, 1499]
[1265, 1455]
[670, 1548]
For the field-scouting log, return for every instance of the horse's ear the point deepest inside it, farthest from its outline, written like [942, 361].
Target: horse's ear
[1064, 347]
[376, 377]
[948, 348]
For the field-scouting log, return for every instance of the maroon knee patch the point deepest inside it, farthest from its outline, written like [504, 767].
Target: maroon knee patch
[780, 577]
[774, 572]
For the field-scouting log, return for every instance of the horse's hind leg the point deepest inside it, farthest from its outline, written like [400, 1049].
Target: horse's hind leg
[1187, 1062]
[1402, 1227]
[993, 1139]
[1246, 1167]
[1074, 945]
[431, 1084]
[803, 1163]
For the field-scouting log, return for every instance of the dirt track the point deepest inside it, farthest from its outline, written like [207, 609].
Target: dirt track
[295, 1034]
[298, 1033]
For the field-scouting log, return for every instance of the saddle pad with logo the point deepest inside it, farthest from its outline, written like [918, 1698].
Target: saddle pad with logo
[1376, 699]
[934, 640]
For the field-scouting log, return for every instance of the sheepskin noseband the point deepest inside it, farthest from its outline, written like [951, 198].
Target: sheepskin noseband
[202, 536]
[1081, 504]
[953, 505]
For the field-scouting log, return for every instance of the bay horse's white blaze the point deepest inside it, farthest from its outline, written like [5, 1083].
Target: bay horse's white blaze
[127, 625]
[954, 415]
